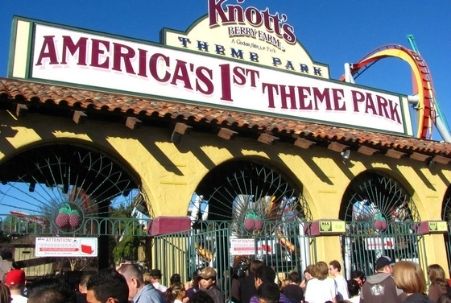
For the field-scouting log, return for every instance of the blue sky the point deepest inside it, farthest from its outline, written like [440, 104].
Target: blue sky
[333, 32]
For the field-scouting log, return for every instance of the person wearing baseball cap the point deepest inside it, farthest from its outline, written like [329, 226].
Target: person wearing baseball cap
[15, 280]
[380, 287]
[207, 283]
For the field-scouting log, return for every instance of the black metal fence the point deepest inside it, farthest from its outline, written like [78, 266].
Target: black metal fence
[215, 243]
[362, 244]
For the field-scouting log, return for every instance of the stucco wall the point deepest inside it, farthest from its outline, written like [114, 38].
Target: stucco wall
[170, 173]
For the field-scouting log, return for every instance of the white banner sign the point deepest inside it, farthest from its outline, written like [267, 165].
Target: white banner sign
[83, 58]
[65, 247]
[242, 247]
[377, 243]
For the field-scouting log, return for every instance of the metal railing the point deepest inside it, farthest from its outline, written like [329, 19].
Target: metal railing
[91, 226]
[362, 244]
[213, 243]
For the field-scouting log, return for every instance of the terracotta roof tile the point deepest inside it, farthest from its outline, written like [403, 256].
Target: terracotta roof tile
[84, 99]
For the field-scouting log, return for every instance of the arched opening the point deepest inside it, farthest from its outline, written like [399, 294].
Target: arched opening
[248, 209]
[380, 220]
[74, 191]
[237, 186]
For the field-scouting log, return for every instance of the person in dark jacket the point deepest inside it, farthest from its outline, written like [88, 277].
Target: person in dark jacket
[380, 287]
[266, 274]
[438, 285]
[268, 292]
[292, 288]
[207, 284]
[247, 284]
[409, 277]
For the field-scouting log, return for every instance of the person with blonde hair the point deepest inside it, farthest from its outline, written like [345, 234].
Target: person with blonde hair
[175, 293]
[409, 277]
[308, 275]
[321, 288]
[5, 295]
[437, 279]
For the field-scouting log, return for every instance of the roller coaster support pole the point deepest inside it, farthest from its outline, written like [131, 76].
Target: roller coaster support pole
[413, 99]
[413, 45]
[443, 128]
[440, 121]
[348, 75]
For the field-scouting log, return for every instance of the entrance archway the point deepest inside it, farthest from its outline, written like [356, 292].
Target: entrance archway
[69, 190]
[248, 209]
[380, 220]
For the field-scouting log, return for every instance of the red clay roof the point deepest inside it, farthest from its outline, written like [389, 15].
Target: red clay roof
[16, 91]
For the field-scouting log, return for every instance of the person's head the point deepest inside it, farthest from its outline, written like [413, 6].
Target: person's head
[384, 264]
[195, 280]
[175, 278]
[255, 264]
[294, 277]
[353, 288]
[435, 273]
[6, 254]
[309, 272]
[358, 276]
[107, 286]
[51, 290]
[134, 278]
[201, 297]
[176, 291]
[268, 292]
[147, 279]
[264, 274]
[207, 277]
[409, 277]
[334, 268]
[321, 270]
[155, 275]
[15, 279]
[5, 294]
[83, 283]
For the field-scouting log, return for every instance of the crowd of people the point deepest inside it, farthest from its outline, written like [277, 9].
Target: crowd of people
[400, 282]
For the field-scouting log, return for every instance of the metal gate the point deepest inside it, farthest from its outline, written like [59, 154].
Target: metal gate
[363, 244]
[381, 220]
[213, 243]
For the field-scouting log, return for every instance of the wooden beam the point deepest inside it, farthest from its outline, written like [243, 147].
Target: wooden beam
[78, 116]
[419, 157]
[441, 160]
[337, 147]
[266, 138]
[303, 143]
[180, 129]
[392, 153]
[226, 133]
[366, 150]
[132, 122]
[19, 108]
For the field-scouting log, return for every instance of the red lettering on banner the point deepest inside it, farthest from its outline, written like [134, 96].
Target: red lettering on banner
[303, 98]
[376, 105]
[48, 51]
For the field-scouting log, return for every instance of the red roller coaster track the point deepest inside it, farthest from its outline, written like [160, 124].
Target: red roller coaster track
[422, 82]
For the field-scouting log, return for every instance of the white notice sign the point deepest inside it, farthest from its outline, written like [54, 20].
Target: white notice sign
[66, 247]
[242, 247]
